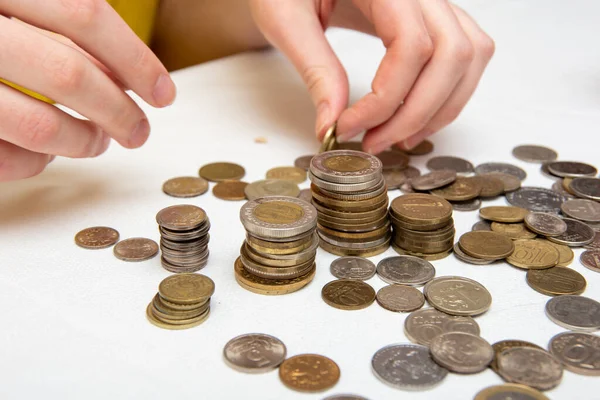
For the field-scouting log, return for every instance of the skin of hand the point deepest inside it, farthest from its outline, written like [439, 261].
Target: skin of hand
[435, 57]
[85, 65]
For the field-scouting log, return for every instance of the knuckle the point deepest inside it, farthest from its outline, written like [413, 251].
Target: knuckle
[462, 51]
[314, 77]
[67, 72]
[422, 46]
[80, 13]
[486, 45]
[89, 148]
[38, 129]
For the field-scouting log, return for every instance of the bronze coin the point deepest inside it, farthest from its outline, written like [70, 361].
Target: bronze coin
[421, 208]
[400, 298]
[565, 254]
[499, 347]
[591, 260]
[511, 182]
[513, 231]
[309, 373]
[136, 249]
[509, 391]
[185, 186]
[270, 287]
[490, 185]
[423, 148]
[507, 214]
[533, 254]
[293, 174]
[181, 217]
[556, 281]
[462, 189]
[97, 237]
[230, 190]
[347, 294]
[486, 245]
[303, 162]
[222, 171]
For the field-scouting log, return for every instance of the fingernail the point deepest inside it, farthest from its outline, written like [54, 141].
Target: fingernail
[164, 91]
[140, 133]
[322, 118]
[379, 147]
[104, 143]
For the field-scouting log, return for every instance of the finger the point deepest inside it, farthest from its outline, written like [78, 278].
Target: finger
[452, 57]
[401, 27]
[42, 128]
[18, 163]
[96, 27]
[298, 33]
[65, 75]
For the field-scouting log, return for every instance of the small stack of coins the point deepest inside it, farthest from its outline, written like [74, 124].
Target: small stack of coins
[182, 301]
[184, 238]
[423, 226]
[278, 255]
[350, 195]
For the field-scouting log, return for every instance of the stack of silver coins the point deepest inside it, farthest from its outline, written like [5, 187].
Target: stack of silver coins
[350, 195]
[183, 238]
[278, 255]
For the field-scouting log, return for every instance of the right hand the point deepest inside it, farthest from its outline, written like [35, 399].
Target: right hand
[88, 77]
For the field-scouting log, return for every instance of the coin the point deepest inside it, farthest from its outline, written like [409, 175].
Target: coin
[533, 254]
[421, 208]
[591, 260]
[536, 199]
[97, 237]
[356, 268]
[222, 171]
[510, 182]
[504, 168]
[346, 166]
[482, 226]
[571, 169]
[394, 178]
[509, 391]
[186, 288]
[433, 180]
[135, 249]
[293, 174]
[578, 352]
[528, 366]
[556, 281]
[303, 162]
[190, 323]
[545, 224]
[346, 294]
[461, 352]
[577, 234]
[345, 397]
[405, 270]
[582, 209]
[181, 217]
[502, 345]
[469, 205]
[588, 188]
[270, 287]
[271, 187]
[309, 373]
[462, 189]
[486, 245]
[278, 217]
[534, 153]
[230, 190]
[456, 295]
[423, 148]
[503, 214]
[458, 165]
[407, 366]
[423, 325]
[490, 185]
[393, 159]
[185, 186]
[254, 352]
[400, 298]
[461, 255]
[565, 254]
[594, 244]
[566, 184]
[329, 139]
[513, 231]
[574, 312]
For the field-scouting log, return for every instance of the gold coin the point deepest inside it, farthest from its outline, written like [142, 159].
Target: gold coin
[329, 140]
[566, 184]
[155, 321]
[533, 254]
[164, 307]
[486, 245]
[294, 174]
[556, 281]
[503, 213]
[346, 294]
[358, 236]
[427, 257]
[510, 391]
[271, 187]
[565, 254]
[502, 345]
[186, 288]
[514, 231]
[309, 373]
[270, 286]
[135, 249]
[222, 171]
[97, 237]
[491, 186]
[230, 190]
[185, 186]
[423, 148]
[279, 248]
[278, 212]
[343, 251]
[421, 208]
[462, 189]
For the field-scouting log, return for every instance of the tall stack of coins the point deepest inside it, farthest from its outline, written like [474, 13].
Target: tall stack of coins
[350, 195]
[278, 255]
[184, 238]
[423, 226]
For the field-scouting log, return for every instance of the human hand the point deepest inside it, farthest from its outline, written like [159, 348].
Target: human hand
[88, 77]
[435, 57]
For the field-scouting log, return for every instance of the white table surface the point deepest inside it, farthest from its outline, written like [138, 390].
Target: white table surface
[73, 320]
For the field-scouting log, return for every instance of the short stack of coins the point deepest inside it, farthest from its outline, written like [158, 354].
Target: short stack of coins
[184, 238]
[422, 226]
[278, 255]
[182, 301]
[350, 195]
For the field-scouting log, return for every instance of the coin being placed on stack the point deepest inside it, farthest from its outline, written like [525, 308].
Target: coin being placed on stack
[350, 195]
[278, 255]
[184, 238]
[423, 226]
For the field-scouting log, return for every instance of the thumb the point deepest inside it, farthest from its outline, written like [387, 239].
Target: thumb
[295, 28]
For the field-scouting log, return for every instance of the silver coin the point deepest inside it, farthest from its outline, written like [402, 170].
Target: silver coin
[405, 270]
[574, 312]
[469, 205]
[536, 199]
[511, 182]
[588, 188]
[461, 255]
[594, 244]
[461, 352]
[578, 352]
[306, 195]
[303, 162]
[271, 187]
[578, 234]
[393, 159]
[423, 326]
[254, 352]
[365, 167]
[571, 169]
[357, 268]
[458, 165]
[594, 225]
[482, 226]
[531, 367]
[295, 217]
[582, 209]
[560, 189]
[534, 153]
[400, 298]
[407, 366]
[504, 168]
[457, 295]
[433, 180]
[545, 224]
[345, 187]
[354, 245]
[345, 397]
[545, 171]
[394, 178]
